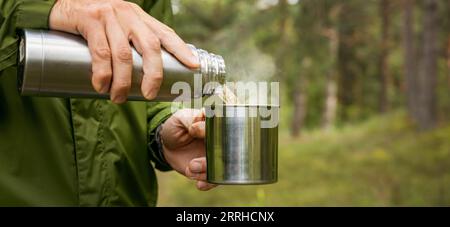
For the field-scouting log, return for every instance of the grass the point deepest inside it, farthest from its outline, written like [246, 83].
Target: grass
[382, 162]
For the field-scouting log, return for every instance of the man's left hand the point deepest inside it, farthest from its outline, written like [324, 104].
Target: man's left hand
[183, 137]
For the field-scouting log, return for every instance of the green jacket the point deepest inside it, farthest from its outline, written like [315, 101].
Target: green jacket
[76, 152]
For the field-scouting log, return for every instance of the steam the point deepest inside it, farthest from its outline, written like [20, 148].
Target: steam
[248, 63]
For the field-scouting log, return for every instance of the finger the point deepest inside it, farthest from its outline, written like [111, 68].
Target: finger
[152, 62]
[197, 165]
[122, 59]
[98, 45]
[205, 186]
[195, 176]
[199, 115]
[190, 116]
[197, 130]
[176, 46]
[170, 40]
[148, 45]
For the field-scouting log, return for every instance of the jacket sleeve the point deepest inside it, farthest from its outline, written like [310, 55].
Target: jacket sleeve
[157, 113]
[16, 14]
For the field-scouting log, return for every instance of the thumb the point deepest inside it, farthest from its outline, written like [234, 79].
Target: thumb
[197, 130]
[199, 115]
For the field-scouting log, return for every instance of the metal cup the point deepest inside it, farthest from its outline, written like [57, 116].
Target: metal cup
[239, 149]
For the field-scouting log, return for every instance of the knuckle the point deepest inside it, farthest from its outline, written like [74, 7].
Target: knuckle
[168, 31]
[117, 3]
[103, 52]
[100, 9]
[93, 12]
[124, 55]
[133, 5]
[106, 8]
[121, 5]
[153, 43]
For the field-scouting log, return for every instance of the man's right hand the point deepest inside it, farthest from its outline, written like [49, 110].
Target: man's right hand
[109, 26]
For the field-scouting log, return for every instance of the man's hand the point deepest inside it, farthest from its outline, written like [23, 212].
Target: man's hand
[109, 26]
[184, 148]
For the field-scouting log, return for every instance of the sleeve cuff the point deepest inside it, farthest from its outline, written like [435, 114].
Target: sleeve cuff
[160, 112]
[34, 14]
[156, 152]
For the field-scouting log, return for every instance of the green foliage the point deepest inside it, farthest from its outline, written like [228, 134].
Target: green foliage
[368, 159]
[380, 162]
[293, 37]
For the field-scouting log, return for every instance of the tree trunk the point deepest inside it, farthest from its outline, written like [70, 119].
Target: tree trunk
[348, 64]
[448, 62]
[299, 112]
[329, 114]
[427, 99]
[330, 108]
[384, 54]
[280, 55]
[410, 61]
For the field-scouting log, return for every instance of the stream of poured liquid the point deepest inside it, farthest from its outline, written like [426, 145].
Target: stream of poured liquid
[226, 95]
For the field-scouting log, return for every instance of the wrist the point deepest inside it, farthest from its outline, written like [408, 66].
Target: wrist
[60, 18]
[157, 151]
[159, 142]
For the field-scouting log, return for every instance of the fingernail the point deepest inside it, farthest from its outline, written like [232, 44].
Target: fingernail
[103, 88]
[196, 167]
[149, 94]
[119, 99]
[194, 60]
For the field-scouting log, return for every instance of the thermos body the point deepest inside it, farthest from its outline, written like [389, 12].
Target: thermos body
[58, 64]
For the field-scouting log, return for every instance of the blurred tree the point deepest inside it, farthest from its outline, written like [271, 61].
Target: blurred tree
[340, 62]
[427, 97]
[330, 108]
[331, 72]
[330, 31]
[222, 11]
[409, 57]
[448, 61]
[297, 78]
[384, 54]
[355, 57]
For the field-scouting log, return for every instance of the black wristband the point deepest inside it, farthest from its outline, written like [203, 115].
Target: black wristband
[159, 142]
[157, 150]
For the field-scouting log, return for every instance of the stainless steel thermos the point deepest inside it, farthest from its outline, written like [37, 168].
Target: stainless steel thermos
[58, 64]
